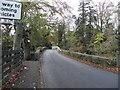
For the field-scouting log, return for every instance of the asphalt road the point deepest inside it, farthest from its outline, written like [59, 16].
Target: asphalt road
[62, 72]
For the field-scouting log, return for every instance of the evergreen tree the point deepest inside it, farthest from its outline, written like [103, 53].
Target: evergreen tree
[84, 24]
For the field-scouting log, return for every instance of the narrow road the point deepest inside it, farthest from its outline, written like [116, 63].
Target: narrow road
[62, 72]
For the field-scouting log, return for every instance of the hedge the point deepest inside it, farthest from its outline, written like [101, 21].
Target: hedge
[92, 58]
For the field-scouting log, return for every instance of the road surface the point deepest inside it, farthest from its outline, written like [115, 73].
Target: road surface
[62, 72]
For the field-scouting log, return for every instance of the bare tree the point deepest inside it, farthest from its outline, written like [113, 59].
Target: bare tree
[104, 13]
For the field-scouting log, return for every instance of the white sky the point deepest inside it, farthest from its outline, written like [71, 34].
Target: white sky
[74, 4]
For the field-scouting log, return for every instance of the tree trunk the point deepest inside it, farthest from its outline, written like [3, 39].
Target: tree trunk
[101, 27]
[26, 47]
[18, 37]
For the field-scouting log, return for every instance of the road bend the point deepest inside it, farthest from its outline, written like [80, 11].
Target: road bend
[62, 72]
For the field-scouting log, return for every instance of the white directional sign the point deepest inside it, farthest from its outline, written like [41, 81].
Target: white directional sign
[10, 9]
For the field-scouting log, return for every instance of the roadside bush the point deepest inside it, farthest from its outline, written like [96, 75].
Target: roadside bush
[36, 55]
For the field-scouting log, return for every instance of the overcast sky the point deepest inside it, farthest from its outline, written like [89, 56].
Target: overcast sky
[74, 3]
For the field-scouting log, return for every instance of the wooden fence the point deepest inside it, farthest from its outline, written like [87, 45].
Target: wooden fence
[11, 61]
